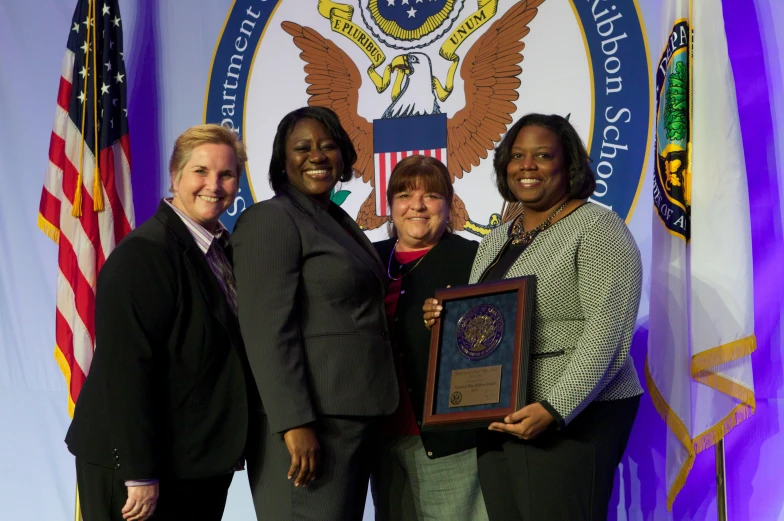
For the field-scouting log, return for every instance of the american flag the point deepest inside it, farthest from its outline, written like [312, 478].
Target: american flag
[398, 138]
[87, 208]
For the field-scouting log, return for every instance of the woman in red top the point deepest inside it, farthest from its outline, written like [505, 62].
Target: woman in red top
[422, 475]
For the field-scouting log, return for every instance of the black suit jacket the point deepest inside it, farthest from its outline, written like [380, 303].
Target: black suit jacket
[447, 264]
[311, 303]
[166, 392]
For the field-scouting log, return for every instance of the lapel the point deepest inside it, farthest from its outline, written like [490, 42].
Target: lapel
[210, 289]
[341, 228]
[516, 269]
[494, 243]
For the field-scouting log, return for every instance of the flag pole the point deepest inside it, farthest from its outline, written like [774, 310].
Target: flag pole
[721, 482]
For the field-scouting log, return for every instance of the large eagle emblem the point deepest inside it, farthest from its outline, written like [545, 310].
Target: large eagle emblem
[490, 73]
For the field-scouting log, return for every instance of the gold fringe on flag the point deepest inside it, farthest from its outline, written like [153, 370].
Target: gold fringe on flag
[77, 202]
[728, 387]
[700, 367]
[97, 191]
[97, 188]
[722, 354]
[49, 229]
[66, 370]
[677, 427]
[712, 436]
[702, 371]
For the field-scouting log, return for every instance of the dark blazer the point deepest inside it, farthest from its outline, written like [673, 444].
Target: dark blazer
[311, 305]
[166, 393]
[447, 264]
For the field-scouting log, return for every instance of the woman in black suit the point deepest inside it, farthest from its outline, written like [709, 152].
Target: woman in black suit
[162, 418]
[422, 475]
[311, 300]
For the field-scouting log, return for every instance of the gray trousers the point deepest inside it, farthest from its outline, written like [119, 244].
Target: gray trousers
[408, 486]
[340, 489]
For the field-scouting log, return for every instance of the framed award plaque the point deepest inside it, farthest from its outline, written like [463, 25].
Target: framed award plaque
[479, 354]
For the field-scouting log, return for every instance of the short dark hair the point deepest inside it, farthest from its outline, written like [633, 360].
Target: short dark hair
[418, 171]
[582, 182]
[278, 178]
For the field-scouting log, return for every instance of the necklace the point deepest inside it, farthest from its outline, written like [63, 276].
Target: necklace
[389, 263]
[520, 236]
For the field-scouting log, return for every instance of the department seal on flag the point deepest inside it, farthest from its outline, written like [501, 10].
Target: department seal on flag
[444, 78]
[672, 176]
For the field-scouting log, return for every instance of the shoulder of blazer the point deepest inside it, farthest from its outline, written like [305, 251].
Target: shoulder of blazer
[292, 199]
[453, 257]
[384, 248]
[153, 250]
[166, 227]
[151, 238]
[280, 210]
[453, 243]
[493, 242]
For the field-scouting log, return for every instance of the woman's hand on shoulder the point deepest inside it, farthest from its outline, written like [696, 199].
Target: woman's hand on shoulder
[527, 423]
[303, 445]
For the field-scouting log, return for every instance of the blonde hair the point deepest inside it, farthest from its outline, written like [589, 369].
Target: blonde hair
[202, 135]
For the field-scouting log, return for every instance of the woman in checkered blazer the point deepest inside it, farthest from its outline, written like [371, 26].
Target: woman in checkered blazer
[555, 458]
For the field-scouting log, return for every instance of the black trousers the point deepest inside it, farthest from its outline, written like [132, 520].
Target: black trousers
[564, 475]
[340, 489]
[102, 496]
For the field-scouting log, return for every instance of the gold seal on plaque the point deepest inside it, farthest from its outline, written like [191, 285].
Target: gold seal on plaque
[479, 331]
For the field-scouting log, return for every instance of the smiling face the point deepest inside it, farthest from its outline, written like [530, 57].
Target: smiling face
[419, 217]
[313, 160]
[207, 184]
[536, 172]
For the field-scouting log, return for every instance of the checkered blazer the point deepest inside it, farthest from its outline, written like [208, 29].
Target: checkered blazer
[588, 283]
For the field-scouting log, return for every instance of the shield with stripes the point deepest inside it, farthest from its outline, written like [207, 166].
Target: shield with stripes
[397, 138]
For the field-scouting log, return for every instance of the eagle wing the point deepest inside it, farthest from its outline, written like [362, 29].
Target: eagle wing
[490, 73]
[334, 83]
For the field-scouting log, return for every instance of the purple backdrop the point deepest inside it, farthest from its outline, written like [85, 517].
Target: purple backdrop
[751, 449]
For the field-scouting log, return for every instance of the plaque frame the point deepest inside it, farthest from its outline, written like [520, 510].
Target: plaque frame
[524, 287]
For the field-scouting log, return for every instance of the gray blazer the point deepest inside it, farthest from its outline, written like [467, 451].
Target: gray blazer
[588, 284]
[310, 288]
